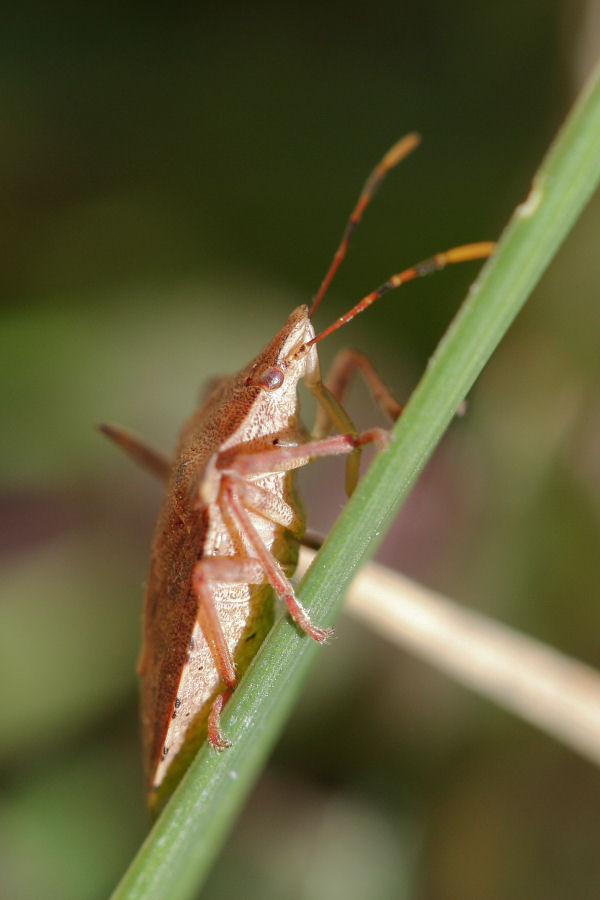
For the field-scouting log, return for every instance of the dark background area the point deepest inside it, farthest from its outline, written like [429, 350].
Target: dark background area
[173, 183]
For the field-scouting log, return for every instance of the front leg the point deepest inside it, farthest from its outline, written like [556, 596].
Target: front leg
[282, 459]
[345, 366]
[330, 411]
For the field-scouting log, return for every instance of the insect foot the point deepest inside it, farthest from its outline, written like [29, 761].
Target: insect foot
[380, 436]
[215, 737]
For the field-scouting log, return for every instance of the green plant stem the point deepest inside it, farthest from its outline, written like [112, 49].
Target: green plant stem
[176, 856]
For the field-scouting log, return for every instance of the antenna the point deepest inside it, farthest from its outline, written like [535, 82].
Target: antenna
[456, 255]
[395, 154]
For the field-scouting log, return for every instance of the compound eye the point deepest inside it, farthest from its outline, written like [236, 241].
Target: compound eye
[271, 378]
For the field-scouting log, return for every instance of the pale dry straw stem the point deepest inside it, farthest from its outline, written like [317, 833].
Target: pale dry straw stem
[546, 688]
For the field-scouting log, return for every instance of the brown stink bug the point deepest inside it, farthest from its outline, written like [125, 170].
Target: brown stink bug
[230, 525]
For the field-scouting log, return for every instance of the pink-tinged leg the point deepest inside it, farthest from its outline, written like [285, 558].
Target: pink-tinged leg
[284, 458]
[205, 572]
[215, 735]
[211, 626]
[234, 492]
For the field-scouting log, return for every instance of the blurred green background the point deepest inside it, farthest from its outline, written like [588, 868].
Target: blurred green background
[173, 183]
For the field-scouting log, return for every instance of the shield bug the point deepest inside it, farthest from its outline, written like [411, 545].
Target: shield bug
[230, 525]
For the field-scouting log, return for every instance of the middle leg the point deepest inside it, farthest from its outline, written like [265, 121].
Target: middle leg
[234, 488]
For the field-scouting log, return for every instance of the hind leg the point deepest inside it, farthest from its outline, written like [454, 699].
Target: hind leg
[143, 454]
[227, 570]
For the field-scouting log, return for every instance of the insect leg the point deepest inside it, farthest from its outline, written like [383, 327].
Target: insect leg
[234, 493]
[150, 459]
[330, 411]
[282, 459]
[345, 366]
[230, 570]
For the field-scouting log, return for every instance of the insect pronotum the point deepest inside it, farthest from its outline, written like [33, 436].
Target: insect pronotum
[230, 525]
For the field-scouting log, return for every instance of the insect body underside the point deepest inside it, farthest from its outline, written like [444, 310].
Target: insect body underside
[244, 610]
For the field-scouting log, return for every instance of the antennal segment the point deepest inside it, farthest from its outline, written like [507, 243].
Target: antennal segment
[456, 255]
[395, 154]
